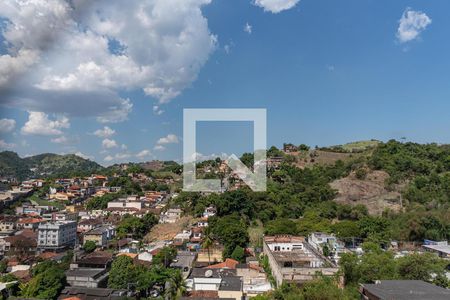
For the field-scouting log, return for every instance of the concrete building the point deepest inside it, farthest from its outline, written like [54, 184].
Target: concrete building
[57, 235]
[442, 249]
[292, 259]
[124, 203]
[60, 216]
[170, 216]
[318, 240]
[403, 290]
[90, 271]
[223, 281]
[100, 235]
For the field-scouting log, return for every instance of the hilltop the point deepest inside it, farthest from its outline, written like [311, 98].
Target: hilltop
[47, 164]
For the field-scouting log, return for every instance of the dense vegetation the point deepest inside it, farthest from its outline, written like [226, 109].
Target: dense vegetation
[124, 274]
[47, 165]
[300, 201]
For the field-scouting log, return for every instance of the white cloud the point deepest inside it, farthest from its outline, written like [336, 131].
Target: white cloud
[248, 28]
[77, 58]
[123, 147]
[159, 148]
[59, 140]
[106, 132]
[7, 125]
[411, 24]
[65, 140]
[39, 124]
[5, 145]
[169, 139]
[82, 155]
[122, 156]
[143, 154]
[157, 110]
[109, 143]
[276, 6]
[117, 157]
[108, 158]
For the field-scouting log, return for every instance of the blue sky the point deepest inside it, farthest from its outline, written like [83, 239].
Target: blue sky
[328, 72]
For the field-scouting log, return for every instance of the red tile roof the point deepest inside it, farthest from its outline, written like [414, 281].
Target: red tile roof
[229, 263]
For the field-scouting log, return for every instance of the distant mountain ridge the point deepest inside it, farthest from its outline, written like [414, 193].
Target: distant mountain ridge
[46, 164]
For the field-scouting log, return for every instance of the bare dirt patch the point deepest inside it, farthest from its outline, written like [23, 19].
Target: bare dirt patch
[370, 191]
[167, 231]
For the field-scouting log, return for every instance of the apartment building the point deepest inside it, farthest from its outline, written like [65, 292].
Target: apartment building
[57, 235]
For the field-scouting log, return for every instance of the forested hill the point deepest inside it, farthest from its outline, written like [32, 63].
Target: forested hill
[45, 165]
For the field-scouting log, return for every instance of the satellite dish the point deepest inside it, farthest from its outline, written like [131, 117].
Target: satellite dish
[208, 273]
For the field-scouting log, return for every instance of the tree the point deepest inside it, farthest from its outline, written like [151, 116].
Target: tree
[323, 288]
[281, 226]
[89, 246]
[122, 272]
[238, 254]
[176, 285]
[376, 264]
[165, 256]
[136, 227]
[47, 282]
[207, 243]
[346, 229]
[420, 267]
[231, 232]
[3, 266]
[349, 267]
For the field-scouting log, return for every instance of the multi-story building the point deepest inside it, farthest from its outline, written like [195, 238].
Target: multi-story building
[57, 235]
[223, 283]
[100, 236]
[60, 216]
[320, 240]
[170, 216]
[124, 203]
[293, 260]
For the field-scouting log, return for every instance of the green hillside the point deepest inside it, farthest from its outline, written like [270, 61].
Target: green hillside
[46, 164]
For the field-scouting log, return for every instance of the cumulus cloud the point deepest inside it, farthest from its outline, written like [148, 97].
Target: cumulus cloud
[65, 140]
[5, 145]
[143, 154]
[108, 158]
[169, 139]
[159, 148]
[276, 6]
[411, 24]
[7, 125]
[248, 28]
[87, 52]
[39, 124]
[85, 156]
[106, 132]
[59, 140]
[157, 110]
[109, 143]
[117, 157]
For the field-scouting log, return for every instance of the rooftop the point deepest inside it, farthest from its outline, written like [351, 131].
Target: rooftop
[441, 248]
[229, 263]
[406, 290]
[85, 272]
[284, 239]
